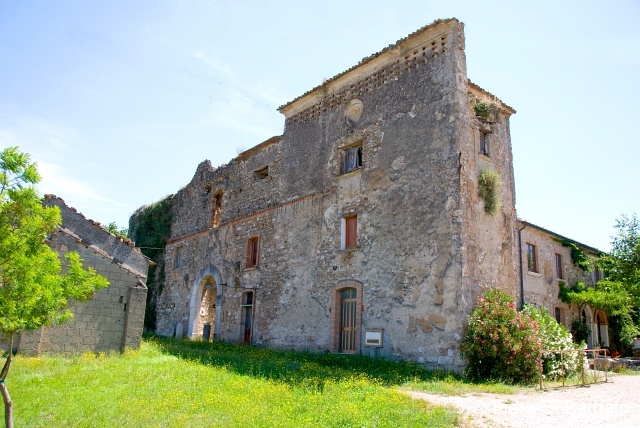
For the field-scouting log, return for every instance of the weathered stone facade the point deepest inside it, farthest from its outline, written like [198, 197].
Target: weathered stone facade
[360, 229]
[113, 319]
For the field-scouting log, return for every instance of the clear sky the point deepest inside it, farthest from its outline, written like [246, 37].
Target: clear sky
[118, 101]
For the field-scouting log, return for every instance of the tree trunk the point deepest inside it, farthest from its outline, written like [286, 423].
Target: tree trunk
[8, 404]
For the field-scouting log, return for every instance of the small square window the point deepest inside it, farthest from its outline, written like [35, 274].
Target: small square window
[559, 274]
[532, 258]
[351, 159]
[350, 232]
[253, 251]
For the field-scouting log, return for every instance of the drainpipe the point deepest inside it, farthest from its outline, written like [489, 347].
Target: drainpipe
[521, 274]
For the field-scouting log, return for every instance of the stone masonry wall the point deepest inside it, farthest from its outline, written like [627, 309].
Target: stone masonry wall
[110, 321]
[541, 286]
[424, 245]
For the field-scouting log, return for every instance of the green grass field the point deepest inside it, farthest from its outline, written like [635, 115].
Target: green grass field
[181, 383]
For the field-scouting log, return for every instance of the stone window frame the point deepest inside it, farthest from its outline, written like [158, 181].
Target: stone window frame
[253, 252]
[334, 316]
[532, 257]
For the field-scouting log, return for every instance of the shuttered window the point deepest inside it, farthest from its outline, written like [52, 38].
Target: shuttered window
[352, 159]
[351, 231]
[253, 250]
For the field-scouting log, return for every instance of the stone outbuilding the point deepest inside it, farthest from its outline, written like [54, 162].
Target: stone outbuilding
[113, 319]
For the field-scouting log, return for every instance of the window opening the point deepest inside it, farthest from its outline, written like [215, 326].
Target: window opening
[247, 315]
[352, 159]
[178, 262]
[253, 250]
[484, 144]
[532, 258]
[348, 320]
[559, 315]
[350, 232]
[597, 275]
[262, 173]
[559, 267]
[217, 209]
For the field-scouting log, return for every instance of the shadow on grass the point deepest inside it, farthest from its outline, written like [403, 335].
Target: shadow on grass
[298, 368]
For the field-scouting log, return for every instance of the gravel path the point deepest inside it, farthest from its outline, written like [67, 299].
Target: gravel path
[613, 404]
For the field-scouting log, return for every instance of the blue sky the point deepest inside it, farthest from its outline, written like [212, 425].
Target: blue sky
[119, 101]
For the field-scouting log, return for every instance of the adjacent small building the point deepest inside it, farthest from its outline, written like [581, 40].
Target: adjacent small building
[546, 264]
[113, 319]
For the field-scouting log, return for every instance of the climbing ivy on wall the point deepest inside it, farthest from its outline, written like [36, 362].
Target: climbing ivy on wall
[150, 228]
[578, 256]
[489, 186]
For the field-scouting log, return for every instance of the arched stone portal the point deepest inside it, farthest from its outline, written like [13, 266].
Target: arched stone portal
[206, 302]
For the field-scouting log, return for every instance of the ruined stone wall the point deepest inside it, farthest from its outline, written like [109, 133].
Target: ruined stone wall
[110, 321]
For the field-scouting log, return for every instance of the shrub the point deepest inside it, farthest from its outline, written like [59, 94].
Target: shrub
[489, 186]
[554, 337]
[501, 343]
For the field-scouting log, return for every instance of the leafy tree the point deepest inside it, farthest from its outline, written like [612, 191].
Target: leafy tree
[619, 294]
[34, 292]
[117, 231]
[622, 264]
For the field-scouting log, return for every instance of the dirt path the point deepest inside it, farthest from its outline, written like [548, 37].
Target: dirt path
[613, 404]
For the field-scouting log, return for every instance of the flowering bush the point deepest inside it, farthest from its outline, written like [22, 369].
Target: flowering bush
[555, 337]
[501, 343]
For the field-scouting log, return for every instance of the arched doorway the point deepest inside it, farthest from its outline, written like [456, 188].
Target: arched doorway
[601, 330]
[205, 303]
[585, 317]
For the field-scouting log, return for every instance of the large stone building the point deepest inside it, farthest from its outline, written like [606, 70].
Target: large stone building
[360, 229]
[113, 319]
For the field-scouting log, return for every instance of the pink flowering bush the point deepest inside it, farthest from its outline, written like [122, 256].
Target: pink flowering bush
[501, 343]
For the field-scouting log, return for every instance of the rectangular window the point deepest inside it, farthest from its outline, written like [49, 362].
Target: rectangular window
[253, 250]
[352, 159]
[484, 144]
[559, 267]
[178, 263]
[350, 232]
[532, 258]
[597, 275]
[559, 315]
